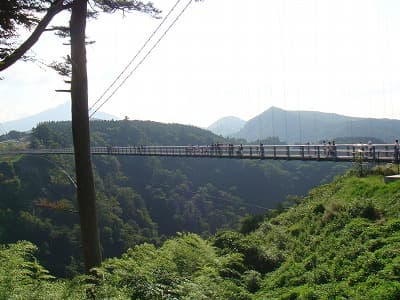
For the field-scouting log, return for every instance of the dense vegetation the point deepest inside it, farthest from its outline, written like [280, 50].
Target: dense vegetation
[139, 199]
[341, 241]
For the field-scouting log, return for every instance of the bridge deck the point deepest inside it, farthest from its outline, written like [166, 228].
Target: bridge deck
[340, 152]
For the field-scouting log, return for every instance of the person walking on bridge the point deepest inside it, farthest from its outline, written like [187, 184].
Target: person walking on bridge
[330, 151]
[334, 151]
[261, 150]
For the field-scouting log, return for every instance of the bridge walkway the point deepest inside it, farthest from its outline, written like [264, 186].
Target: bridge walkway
[340, 152]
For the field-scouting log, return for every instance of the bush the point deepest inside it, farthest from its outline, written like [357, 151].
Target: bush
[252, 280]
[250, 223]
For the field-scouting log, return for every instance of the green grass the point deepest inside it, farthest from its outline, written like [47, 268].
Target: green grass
[344, 243]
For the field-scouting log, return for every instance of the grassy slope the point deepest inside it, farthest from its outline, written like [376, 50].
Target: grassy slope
[342, 241]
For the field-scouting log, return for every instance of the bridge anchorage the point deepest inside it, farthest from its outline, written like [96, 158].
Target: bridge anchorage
[340, 152]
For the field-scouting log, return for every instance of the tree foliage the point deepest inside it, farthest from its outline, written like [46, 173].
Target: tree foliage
[35, 16]
[340, 242]
[139, 199]
[16, 13]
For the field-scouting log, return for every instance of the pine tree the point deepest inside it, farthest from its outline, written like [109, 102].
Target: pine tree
[16, 13]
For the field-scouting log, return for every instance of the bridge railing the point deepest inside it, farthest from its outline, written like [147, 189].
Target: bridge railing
[339, 152]
[305, 152]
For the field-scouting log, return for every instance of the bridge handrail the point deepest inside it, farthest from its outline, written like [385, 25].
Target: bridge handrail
[348, 152]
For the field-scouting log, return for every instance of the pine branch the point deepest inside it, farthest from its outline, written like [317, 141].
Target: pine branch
[53, 10]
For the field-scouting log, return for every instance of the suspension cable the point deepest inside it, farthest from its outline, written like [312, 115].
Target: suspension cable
[143, 59]
[136, 55]
[59, 167]
[195, 193]
[3, 129]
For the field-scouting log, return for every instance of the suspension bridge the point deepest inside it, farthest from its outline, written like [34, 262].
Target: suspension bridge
[378, 153]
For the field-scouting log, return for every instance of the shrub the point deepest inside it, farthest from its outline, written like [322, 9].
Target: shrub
[252, 280]
[250, 223]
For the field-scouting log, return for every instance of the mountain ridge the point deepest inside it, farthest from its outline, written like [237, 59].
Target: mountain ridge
[61, 112]
[300, 126]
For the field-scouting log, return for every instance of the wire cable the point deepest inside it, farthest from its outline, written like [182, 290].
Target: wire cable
[3, 129]
[239, 203]
[136, 55]
[143, 59]
[59, 167]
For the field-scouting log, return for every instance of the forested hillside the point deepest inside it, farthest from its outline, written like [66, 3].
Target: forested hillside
[339, 242]
[140, 199]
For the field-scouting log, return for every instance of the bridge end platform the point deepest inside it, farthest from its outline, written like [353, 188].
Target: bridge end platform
[391, 178]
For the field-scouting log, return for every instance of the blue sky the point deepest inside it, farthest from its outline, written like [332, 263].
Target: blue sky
[230, 57]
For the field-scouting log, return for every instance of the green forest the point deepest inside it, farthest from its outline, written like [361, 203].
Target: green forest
[341, 241]
[139, 199]
[195, 228]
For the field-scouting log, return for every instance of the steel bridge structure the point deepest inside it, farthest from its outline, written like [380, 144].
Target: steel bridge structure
[378, 153]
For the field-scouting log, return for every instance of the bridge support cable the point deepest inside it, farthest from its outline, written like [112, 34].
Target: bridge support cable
[300, 127]
[285, 113]
[3, 130]
[143, 59]
[273, 123]
[59, 167]
[136, 55]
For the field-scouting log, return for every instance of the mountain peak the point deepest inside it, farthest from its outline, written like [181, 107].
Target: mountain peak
[61, 112]
[275, 108]
[227, 125]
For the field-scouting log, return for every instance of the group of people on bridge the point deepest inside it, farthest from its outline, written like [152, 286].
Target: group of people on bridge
[220, 149]
[327, 150]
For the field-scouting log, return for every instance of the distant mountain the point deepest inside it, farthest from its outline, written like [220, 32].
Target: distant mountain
[58, 113]
[313, 126]
[226, 126]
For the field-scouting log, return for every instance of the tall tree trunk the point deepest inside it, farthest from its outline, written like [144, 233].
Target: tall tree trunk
[80, 131]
